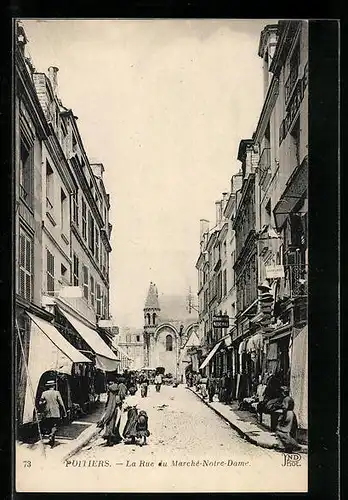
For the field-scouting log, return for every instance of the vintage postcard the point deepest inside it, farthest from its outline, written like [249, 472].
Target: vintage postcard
[161, 255]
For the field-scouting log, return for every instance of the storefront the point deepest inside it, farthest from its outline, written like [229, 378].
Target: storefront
[59, 359]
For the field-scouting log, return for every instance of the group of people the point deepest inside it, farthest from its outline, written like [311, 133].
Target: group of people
[120, 399]
[270, 398]
[222, 387]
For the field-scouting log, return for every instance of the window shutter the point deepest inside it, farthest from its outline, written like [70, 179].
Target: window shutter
[22, 282]
[21, 250]
[85, 282]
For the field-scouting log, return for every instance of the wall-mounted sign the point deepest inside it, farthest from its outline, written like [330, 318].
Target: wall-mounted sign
[275, 271]
[221, 321]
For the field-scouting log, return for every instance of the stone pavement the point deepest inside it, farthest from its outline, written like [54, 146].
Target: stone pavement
[245, 424]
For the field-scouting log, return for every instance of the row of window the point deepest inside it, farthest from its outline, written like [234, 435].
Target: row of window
[92, 291]
[129, 339]
[90, 232]
[247, 285]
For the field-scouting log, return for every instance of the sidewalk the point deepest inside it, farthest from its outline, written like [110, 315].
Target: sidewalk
[64, 448]
[245, 424]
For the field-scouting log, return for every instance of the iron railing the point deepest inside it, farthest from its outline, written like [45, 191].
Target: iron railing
[290, 82]
[296, 279]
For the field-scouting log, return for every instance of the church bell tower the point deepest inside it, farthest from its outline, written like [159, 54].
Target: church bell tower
[151, 312]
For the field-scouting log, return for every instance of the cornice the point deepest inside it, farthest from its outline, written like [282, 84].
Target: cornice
[54, 241]
[30, 97]
[267, 108]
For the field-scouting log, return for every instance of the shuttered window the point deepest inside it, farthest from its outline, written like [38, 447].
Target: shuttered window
[92, 291]
[26, 172]
[91, 233]
[75, 270]
[75, 204]
[97, 244]
[50, 271]
[99, 300]
[84, 220]
[25, 266]
[85, 282]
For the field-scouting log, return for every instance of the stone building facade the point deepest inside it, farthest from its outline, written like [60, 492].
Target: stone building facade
[63, 326]
[167, 328]
[269, 222]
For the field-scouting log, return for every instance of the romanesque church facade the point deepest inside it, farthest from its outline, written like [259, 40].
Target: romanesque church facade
[169, 332]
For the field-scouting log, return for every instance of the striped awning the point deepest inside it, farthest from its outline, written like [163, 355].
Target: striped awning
[211, 354]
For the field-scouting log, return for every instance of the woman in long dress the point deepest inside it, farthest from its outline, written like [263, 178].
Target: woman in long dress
[110, 421]
[137, 421]
[287, 426]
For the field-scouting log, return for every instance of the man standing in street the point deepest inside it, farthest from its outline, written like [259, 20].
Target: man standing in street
[211, 388]
[51, 403]
[158, 382]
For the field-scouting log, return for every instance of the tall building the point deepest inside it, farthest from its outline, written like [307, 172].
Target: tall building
[63, 326]
[167, 328]
[283, 185]
[131, 341]
[269, 232]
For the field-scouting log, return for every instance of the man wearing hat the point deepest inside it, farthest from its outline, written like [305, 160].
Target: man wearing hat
[51, 401]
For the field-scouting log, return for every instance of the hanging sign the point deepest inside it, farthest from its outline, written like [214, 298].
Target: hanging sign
[221, 321]
[276, 271]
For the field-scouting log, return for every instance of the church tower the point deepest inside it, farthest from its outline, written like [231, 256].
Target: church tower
[151, 312]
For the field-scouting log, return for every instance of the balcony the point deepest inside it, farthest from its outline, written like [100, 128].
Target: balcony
[290, 83]
[296, 280]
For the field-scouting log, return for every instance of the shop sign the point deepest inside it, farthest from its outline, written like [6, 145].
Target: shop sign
[275, 271]
[221, 321]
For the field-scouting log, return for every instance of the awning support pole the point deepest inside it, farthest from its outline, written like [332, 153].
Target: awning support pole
[31, 389]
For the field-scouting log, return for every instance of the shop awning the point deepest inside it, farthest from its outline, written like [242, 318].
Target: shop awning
[210, 355]
[280, 335]
[105, 358]
[121, 351]
[48, 351]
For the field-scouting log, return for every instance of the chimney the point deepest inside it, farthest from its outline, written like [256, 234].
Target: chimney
[97, 169]
[204, 227]
[236, 182]
[218, 212]
[52, 75]
[224, 201]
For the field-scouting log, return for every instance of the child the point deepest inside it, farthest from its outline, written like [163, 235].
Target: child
[142, 427]
[136, 427]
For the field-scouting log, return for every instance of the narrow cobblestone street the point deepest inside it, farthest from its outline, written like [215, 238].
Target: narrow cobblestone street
[179, 423]
[190, 449]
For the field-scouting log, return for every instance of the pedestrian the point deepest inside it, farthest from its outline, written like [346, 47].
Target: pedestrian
[158, 382]
[110, 421]
[122, 388]
[211, 388]
[136, 428]
[51, 404]
[287, 426]
[198, 381]
[144, 386]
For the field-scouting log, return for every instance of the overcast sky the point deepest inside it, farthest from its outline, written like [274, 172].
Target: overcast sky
[163, 105]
